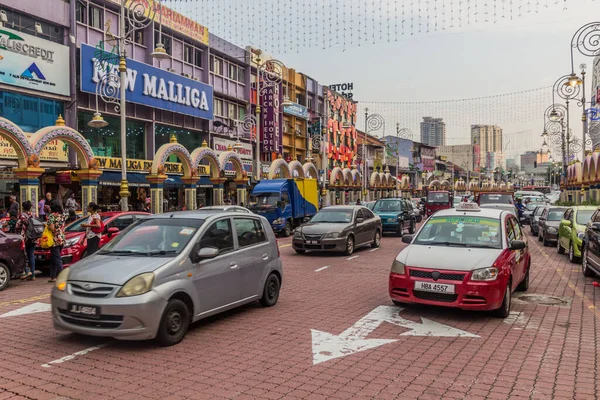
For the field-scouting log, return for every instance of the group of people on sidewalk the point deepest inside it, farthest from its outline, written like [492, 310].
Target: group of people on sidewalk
[55, 220]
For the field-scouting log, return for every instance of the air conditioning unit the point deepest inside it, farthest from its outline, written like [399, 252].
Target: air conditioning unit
[196, 79]
[171, 70]
[185, 75]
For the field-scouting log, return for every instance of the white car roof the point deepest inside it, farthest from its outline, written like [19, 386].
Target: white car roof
[494, 213]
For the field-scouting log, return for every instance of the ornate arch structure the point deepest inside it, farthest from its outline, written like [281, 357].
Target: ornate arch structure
[347, 174]
[337, 177]
[279, 169]
[168, 149]
[205, 152]
[235, 159]
[68, 135]
[375, 179]
[296, 169]
[17, 139]
[310, 171]
[356, 177]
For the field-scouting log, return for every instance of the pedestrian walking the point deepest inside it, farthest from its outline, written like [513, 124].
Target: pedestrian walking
[71, 203]
[94, 229]
[27, 229]
[56, 225]
[46, 205]
[14, 206]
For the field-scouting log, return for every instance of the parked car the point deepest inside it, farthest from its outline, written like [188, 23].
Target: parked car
[495, 198]
[12, 257]
[75, 247]
[339, 229]
[535, 219]
[438, 200]
[506, 207]
[239, 209]
[369, 204]
[396, 215]
[416, 210]
[572, 230]
[528, 210]
[468, 257]
[167, 271]
[548, 224]
[590, 252]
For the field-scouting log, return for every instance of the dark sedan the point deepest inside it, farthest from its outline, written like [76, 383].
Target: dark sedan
[535, 219]
[338, 229]
[12, 257]
[548, 224]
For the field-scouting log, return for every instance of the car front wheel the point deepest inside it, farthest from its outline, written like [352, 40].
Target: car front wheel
[4, 276]
[584, 263]
[174, 323]
[574, 259]
[504, 310]
[349, 246]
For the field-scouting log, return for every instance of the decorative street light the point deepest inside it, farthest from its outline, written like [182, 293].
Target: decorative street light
[554, 129]
[111, 87]
[567, 93]
[373, 122]
[272, 72]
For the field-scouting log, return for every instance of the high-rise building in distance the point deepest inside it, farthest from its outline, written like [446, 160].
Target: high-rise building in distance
[489, 138]
[433, 131]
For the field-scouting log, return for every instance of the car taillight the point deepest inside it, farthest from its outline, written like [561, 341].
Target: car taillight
[278, 252]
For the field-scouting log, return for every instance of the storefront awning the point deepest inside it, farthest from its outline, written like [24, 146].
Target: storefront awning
[113, 178]
[173, 181]
[204, 182]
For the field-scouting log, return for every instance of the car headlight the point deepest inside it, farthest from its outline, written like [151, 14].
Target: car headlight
[61, 279]
[485, 274]
[278, 221]
[72, 241]
[297, 234]
[397, 267]
[331, 235]
[137, 285]
[552, 230]
[392, 219]
[581, 235]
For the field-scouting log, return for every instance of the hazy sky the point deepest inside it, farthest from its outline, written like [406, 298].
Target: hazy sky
[478, 60]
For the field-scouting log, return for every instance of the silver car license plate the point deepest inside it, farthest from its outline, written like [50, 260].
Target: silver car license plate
[312, 242]
[83, 310]
[434, 287]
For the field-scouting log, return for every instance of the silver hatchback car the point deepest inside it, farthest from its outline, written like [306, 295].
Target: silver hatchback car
[167, 271]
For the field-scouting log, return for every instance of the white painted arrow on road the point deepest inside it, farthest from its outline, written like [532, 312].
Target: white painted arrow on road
[326, 346]
[30, 309]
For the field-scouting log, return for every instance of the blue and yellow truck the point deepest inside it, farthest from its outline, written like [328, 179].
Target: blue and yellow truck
[286, 203]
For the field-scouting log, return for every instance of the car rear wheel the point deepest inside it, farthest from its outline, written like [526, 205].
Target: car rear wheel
[376, 240]
[349, 246]
[545, 241]
[412, 228]
[584, 263]
[504, 310]
[4, 276]
[559, 248]
[271, 291]
[287, 231]
[574, 259]
[174, 323]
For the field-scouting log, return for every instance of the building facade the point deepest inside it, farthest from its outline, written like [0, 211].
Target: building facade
[462, 155]
[433, 131]
[489, 139]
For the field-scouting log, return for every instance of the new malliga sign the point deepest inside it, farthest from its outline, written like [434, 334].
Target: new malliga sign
[148, 85]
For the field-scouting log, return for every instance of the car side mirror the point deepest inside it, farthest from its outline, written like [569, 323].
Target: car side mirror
[407, 239]
[518, 245]
[205, 253]
[360, 220]
[112, 231]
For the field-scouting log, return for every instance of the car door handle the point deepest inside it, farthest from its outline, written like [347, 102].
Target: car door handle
[265, 256]
[233, 265]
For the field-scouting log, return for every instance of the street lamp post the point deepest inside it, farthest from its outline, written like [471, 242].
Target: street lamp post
[107, 86]
[373, 122]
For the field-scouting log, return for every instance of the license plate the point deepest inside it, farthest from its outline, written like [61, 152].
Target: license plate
[391, 219]
[434, 287]
[88, 311]
[312, 242]
[40, 257]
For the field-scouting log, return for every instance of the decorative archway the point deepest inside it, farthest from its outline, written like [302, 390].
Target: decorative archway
[157, 175]
[383, 179]
[336, 178]
[347, 174]
[356, 177]
[375, 180]
[389, 180]
[296, 169]
[594, 164]
[587, 169]
[434, 185]
[206, 153]
[17, 139]
[234, 158]
[310, 171]
[279, 169]
[74, 139]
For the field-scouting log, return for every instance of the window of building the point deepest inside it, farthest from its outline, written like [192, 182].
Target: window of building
[96, 17]
[188, 53]
[233, 72]
[106, 141]
[198, 58]
[232, 111]
[241, 75]
[241, 112]
[310, 103]
[80, 12]
[189, 139]
[166, 40]
[218, 107]
[28, 112]
[217, 66]
[300, 99]
[138, 34]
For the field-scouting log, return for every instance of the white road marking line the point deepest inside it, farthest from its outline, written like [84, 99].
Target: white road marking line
[375, 249]
[322, 268]
[72, 356]
[352, 258]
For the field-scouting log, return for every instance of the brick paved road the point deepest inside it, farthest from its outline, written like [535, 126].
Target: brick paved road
[540, 352]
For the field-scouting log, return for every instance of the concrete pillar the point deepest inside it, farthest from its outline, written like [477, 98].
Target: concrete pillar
[156, 192]
[29, 185]
[218, 191]
[89, 187]
[190, 192]
[241, 191]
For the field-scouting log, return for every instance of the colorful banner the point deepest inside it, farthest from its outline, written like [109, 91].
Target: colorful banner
[220, 145]
[56, 151]
[148, 85]
[297, 110]
[133, 165]
[33, 63]
[272, 141]
[169, 18]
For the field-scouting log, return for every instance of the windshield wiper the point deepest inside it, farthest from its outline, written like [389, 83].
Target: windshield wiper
[160, 252]
[119, 252]
[448, 244]
[482, 246]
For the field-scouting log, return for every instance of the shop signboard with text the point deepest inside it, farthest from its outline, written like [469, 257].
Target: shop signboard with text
[133, 165]
[33, 63]
[221, 144]
[297, 110]
[148, 85]
[56, 150]
[271, 138]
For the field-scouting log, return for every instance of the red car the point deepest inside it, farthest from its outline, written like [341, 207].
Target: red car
[75, 242]
[468, 258]
[438, 200]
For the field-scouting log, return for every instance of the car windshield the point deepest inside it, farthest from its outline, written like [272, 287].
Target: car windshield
[555, 214]
[495, 198]
[263, 200]
[154, 237]
[539, 211]
[438, 198]
[370, 205]
[462, 231]
[333, 216]
[583, 216]
[388, 206]
[76, 226]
